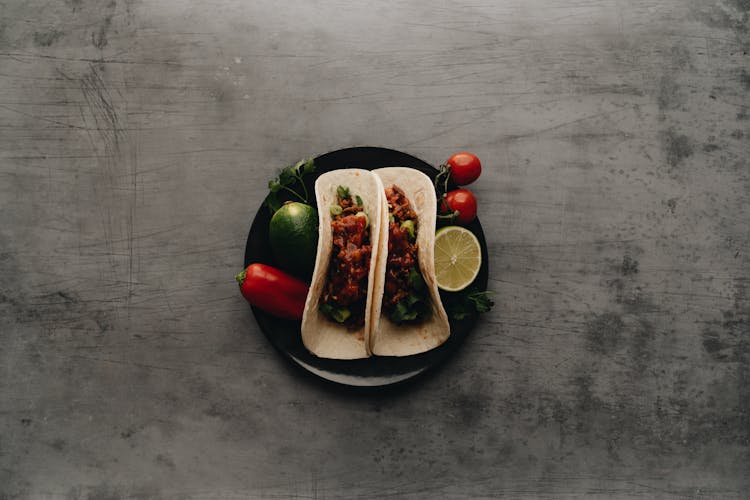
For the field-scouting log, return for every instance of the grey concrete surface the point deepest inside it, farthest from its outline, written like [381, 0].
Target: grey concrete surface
[136, 139]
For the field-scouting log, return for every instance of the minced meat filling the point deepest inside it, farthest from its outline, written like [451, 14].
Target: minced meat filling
[404, 297]
[345, 294]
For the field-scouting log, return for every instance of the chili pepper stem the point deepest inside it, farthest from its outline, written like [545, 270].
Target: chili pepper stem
[240, 277]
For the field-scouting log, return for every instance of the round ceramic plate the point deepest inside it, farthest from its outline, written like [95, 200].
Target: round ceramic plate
[377, 370]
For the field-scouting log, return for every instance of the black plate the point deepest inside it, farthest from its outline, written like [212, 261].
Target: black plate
[285, 335]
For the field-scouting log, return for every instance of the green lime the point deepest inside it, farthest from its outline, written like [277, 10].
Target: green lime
[293, 233]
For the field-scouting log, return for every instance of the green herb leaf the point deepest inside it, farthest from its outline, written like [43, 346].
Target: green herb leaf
[308, 167]
[466, 303]
[297, 168]
[290, 184]
[287, 177]
[403, 312]
[481, 301]
[459, 314]
[412, 307]
[408, 225]
[337, 314]
[411, 299]
[416, 281]
[272, 202]
[343, 192]
[359, 201]
[340, 315]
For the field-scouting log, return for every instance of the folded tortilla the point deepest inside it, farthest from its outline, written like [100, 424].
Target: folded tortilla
[321, 336]
[388, 338]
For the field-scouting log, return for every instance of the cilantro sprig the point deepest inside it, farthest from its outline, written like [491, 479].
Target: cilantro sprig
[290, 183]
[467, 303]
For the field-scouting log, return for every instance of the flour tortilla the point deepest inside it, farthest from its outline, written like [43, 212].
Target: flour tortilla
[320, 335]
[388, 338]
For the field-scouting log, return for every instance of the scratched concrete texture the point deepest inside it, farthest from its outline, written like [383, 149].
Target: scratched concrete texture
[136, 140]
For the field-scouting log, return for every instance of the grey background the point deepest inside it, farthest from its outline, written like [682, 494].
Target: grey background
[136, 140]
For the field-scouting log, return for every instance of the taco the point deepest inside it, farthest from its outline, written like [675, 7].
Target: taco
[408, 316]
[336, 322]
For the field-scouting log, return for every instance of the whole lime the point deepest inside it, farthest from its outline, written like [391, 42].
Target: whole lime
[293, 234]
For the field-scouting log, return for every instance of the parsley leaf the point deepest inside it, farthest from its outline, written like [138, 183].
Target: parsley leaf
[272, 201]
[291, 183]
[481, 301]
[287, 177]
[274, 185]
[308, 167]
[467, 303]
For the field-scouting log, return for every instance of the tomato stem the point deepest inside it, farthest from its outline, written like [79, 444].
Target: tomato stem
[442, 178]
[451, 216]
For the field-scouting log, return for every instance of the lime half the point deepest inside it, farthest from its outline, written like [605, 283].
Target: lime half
[458, 258]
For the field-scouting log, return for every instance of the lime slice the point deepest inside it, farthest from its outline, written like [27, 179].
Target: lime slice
[458, 258]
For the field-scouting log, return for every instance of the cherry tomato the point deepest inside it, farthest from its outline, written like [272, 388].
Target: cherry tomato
[464, 202]
[465, 168]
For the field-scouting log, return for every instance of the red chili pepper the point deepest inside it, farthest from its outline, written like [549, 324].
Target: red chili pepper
[273, 291]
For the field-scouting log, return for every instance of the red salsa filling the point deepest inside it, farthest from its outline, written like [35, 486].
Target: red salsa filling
[345, 294]
[404, 298]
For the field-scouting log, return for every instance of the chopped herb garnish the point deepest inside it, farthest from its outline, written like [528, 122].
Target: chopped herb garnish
[416, 281]
[408, 225]
[410, 308]
[343, 192]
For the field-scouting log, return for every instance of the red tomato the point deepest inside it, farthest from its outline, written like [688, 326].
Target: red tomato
[465, 168]
[273, 290]
[464, 202]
